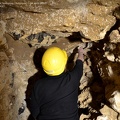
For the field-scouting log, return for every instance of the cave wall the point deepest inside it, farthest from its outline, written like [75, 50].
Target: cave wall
[29, 27]
[91, 18]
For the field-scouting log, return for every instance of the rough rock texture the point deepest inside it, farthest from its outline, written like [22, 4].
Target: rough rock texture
[92, 19]
[27, 28]
[108, 114]
[115, 36]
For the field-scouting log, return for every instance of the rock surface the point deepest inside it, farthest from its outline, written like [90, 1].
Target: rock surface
[87, 17]
[27, 28]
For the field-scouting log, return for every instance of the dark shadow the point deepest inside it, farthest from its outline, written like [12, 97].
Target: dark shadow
[97, 88]
[30, 117]
[38, 57]
[37, 76]
[75, 37]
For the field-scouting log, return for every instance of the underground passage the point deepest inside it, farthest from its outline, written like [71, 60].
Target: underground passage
[28, 28]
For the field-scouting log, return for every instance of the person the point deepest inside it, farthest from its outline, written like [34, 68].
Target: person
[55, 96]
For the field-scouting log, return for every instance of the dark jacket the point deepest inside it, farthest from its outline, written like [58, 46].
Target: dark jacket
[55, 97]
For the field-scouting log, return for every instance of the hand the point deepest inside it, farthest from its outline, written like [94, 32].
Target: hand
[80, 53]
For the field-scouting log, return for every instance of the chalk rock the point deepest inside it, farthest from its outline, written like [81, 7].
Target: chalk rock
[115, 36]
[108, 114]
[83, 117]
[115, 101]
[85, 98]
[4, 71]
[59, 16]
[110, 56]
[102, 118]
[2, 31]
[109, 46]
[87, 75]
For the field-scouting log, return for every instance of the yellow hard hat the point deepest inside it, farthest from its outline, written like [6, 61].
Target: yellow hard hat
[54, 61]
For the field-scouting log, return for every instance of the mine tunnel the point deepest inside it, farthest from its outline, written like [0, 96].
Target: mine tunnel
[28, 28]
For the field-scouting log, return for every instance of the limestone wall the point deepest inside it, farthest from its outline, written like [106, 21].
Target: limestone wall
[27, 28]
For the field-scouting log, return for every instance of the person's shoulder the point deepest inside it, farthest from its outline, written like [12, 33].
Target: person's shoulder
[39, 82]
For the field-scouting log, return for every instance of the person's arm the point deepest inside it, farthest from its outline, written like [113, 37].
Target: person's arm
[77, 71]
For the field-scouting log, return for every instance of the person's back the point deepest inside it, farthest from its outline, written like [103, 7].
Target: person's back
[55, 97]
